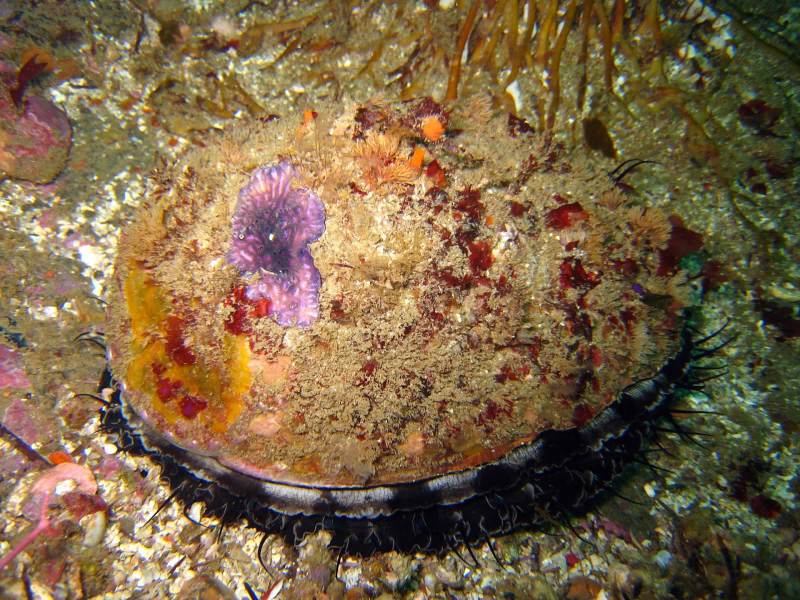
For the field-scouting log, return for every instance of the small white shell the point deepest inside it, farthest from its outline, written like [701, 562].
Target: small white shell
[94, 528]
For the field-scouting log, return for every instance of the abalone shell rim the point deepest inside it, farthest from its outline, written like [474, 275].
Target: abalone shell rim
[644, 400]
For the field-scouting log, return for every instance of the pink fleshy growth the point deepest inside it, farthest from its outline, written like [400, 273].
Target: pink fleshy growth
[34, 140]
[12, 374]
[63, 284]
[611, 528]
[80, 504]
[32, 68]
[52, 284]
[191, 406]
[53, 570]
[45, 486]
[41, 494]
[52, 188]
[272, 227]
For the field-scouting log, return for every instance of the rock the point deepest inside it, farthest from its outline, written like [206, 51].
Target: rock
[205, 587]
[627, 583]
[34, 139]
[27, 421]
[583, 588]
[663, 558]
[12, 371]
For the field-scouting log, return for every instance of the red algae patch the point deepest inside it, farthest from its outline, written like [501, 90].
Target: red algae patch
[462, 308]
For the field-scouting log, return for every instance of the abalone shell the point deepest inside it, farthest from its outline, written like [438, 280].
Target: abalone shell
[478, 294]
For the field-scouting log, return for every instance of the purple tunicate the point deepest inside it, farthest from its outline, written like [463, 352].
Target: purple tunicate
[272, 227]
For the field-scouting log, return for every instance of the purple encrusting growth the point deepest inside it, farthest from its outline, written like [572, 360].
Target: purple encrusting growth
[272, 227]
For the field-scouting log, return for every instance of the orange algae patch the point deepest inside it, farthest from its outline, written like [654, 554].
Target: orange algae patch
[41, 56]
[59, 457]
[177, 383]
[432, 128]
[148, 308]
[417, 158]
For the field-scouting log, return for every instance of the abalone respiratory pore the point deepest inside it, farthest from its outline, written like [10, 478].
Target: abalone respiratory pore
[272, 227]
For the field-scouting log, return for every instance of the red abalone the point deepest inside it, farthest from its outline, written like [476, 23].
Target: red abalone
[495, 327]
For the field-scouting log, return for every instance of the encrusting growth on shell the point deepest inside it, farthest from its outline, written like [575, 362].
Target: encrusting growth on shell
[273, 225]
[444, 302]
[380, 161]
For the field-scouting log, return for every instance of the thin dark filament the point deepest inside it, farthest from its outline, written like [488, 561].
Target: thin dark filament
[177, 564]
[649, 450]
[703, 380]
[709, 351]
[472, 554]
[713, 334]
[164, 504]
[454, 548]
[221, 530]
[684, 432]
[339, 556]
[613, 492]
[685, 435]
[578, 535]
[92, 339]
[494, 554]
[93, 397]
[652, 467]
[664, 450]
[628, 166]
[250, 591]
[28, 586]
[709, 367]
[686, 411]
[23, 446]
[260, 555]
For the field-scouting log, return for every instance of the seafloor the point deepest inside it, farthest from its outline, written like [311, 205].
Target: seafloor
[709, 91]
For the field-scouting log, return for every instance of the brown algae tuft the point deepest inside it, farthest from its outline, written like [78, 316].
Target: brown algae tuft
[496, 326]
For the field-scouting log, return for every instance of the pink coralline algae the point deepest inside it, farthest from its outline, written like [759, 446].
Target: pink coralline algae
[34, 139]
[12, 373]
[26, 422]
[272, 227]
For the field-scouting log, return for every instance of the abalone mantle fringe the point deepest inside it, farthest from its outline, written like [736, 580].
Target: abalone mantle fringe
[559, 472]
